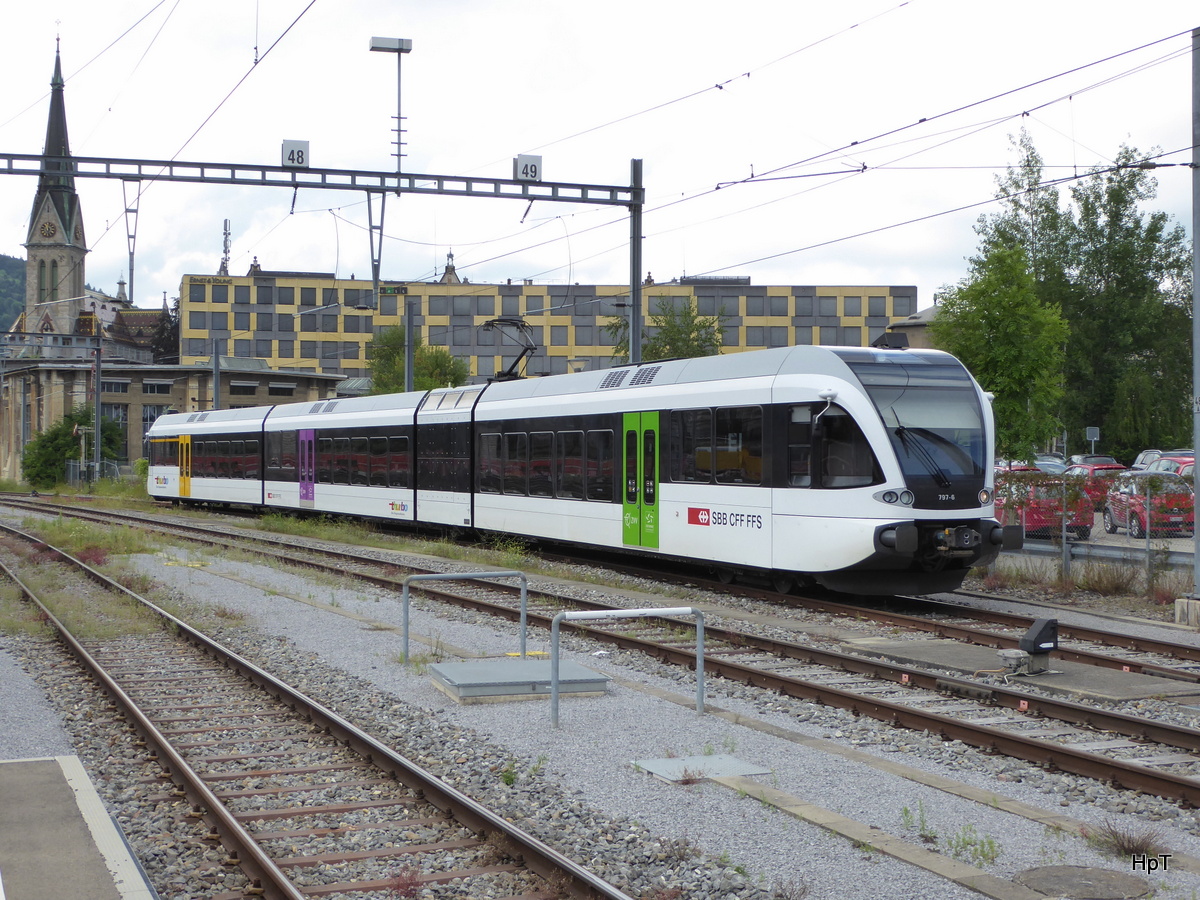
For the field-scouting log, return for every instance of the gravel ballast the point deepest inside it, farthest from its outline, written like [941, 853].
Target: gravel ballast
[577, 787]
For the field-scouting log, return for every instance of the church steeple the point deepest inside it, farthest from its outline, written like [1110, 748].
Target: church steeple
[55, 243]
[56, 182]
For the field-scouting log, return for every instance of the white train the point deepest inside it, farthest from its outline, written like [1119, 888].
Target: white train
[868, 471]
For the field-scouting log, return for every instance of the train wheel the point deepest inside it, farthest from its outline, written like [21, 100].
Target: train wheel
[782, 582]
[725, 576]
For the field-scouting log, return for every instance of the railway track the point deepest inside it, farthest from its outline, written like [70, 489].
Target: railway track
[285, 784]
[1132, 751]
[1103, 648]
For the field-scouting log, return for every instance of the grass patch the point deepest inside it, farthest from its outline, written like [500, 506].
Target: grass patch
[20, 617]
[76, 536]
[121, 489]
[326, 528]
[1107, 580]
[1124, 841]
[85, 614]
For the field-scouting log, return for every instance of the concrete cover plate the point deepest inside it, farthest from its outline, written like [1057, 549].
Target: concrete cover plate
[1084, 883]
[513, 678]
[697, 768]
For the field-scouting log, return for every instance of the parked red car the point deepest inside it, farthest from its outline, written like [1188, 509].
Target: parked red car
[1097, 479]
[1172, 508]
[1173, 464]
[1037, 506]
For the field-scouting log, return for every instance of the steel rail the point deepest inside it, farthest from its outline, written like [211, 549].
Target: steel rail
[259, 868]
[1091, 765]
[953, 631]
[536, 855]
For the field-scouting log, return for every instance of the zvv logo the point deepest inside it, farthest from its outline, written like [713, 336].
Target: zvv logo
[698, 516]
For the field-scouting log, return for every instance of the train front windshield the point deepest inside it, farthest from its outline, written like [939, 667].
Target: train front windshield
[933, 419]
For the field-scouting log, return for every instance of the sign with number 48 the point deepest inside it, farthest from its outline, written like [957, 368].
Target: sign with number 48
[295, 154]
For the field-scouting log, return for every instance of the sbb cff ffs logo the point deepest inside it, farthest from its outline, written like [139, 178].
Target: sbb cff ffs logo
[698, 516]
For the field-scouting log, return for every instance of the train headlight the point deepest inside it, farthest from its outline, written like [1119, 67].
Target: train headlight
[985, 497]
[890, 496]
[906, 497]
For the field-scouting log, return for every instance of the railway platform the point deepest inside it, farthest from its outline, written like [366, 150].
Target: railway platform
[56, 838]
[1075, 680]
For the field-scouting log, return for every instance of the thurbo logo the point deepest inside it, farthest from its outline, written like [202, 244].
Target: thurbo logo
[398, 506]
[160, 480]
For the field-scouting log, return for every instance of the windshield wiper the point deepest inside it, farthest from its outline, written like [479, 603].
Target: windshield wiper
[914, 447]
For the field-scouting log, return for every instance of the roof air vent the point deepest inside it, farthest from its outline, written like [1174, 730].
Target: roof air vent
[316, 408]
[645, 376]
[614, 378]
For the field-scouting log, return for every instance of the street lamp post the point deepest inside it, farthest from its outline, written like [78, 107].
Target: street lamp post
[399, 46]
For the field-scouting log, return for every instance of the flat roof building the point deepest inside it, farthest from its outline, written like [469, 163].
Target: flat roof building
[317, 322]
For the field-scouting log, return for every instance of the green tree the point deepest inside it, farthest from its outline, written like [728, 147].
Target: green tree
[165, 342]
[1120, 277]
[433, 367]
[44, 460]
[1012, 343]
[1129, 315]
[676, 332]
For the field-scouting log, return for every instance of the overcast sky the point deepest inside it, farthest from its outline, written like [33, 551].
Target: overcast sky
[874, 130]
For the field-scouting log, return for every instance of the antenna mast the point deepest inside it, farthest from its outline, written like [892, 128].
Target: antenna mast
[224, 270]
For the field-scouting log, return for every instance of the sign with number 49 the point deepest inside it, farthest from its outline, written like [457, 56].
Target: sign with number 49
[527, 168]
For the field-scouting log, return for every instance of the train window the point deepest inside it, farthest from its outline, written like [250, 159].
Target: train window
[444, 457]
[541, 464]
[164, 453]
[325, 460]
[570, 465]
[631, 475]
[281, 456]
[516, 460]
[251, 460]
[341, 460]
[398, 462]
[691, 445]
[738, 445]
[222, 459]
[649, 462]
[489, 463]
[601, 453]
[827, 449]
[360, 462]
[799, 444]
[846, 456]
[237, 450]
[378, 461]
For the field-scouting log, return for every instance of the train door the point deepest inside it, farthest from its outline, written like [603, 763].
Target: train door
[306, 466]
[185, 465]
[640, 500]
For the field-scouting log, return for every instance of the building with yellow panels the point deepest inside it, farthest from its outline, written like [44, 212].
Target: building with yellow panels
[316, 322]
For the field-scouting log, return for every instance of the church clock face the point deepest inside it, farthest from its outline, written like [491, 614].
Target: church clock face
[49, 229]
